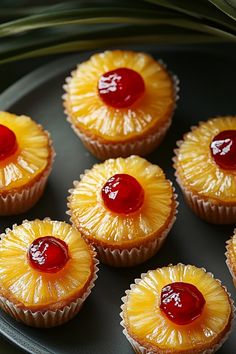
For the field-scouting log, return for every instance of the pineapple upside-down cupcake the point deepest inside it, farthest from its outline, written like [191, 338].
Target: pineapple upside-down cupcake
[120, 103]
[47, 270]
[177, 309]
[125, 208]
[205, 164]
[26, 157]
[231, 256]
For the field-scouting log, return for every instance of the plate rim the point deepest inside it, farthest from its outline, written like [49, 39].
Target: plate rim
[47, 72]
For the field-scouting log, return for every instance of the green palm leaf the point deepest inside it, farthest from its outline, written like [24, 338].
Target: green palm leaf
[228, 8]
[98, 16]
[75, 46]
[78, 25]
[197, 9]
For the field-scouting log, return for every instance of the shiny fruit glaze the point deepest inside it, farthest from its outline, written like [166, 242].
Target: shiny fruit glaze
[8, 143]
[48, 254]
[223, 149]
[181, 302]
[122, 194]
[120, 88]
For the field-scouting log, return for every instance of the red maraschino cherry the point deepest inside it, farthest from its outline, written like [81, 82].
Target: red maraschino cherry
[181, 302]
[8, 143]
[223, 149]
[123, 194]
[48, 254]
[120, 88]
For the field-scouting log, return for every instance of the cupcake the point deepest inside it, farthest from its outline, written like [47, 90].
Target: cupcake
[120, 103]
[125, 208]
[205, 164]
[177, 309]
[231, 256]
[26, 157]
[47, 270]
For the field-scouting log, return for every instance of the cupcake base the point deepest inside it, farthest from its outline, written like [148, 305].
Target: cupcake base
[210, 210]
[135, 256]
[18, 202]
[50, 318]
[130, 257]
[207, 209]
[141, 146]
[139, 349]
[104, 150]
[230, 260]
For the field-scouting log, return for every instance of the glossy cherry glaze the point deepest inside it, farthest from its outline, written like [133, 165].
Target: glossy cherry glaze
[223, 149]
[48, 254]
[120, 88]
[123, 194]
[181, 302]
[8, 143]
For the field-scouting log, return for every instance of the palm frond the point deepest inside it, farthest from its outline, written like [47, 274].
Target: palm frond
[101, 16]
[197, 9]
[228, 8]
[75, 46]
[78, 25]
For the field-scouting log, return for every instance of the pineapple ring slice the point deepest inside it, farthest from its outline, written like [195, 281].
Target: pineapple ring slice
[100, 225]
[32, 156]
[36, 290]
[197, 170]
[147, 324]
[91, 115]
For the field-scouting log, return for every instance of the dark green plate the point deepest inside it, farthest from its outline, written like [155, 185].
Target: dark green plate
[207, 88]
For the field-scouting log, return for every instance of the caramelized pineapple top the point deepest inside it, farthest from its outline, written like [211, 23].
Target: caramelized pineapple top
[234, 244]
[196, 167]
[149, 325]
[27, 286]
[31, 156]
[88, 111]
[95, 220]
[231, 254]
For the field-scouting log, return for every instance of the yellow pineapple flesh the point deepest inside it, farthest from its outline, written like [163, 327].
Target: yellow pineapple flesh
[231, 257]
[98, 223]
[90, 114]
[148, 324]
[196, 168]
[32, 156]
[35, 289]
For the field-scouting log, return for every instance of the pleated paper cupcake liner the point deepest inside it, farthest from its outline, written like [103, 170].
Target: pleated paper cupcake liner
[136, 255]
[207, 209]
[139, 349]
[117, 257]
[18, 202]
[143, 144]
[229, 262]
[50, 318]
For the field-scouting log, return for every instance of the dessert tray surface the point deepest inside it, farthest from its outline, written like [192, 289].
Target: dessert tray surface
[207, 85]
